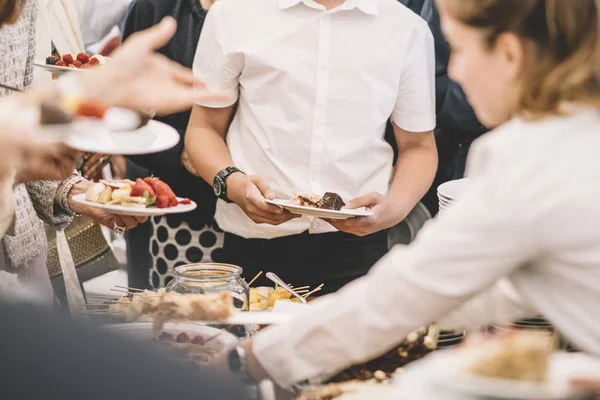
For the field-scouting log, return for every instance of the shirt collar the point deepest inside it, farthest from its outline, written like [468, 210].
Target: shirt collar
[367, 6]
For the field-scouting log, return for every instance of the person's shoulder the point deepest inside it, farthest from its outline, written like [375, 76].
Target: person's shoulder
[402, 17]
[238, 6]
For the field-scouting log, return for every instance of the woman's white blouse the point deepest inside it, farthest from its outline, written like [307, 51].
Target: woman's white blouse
[523, 240]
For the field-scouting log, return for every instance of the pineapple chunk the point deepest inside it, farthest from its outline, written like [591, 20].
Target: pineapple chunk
[273, 298]
[263, 292]
[255, 307]
[106, 195]
[283, 294]
[264, 303]
[253, 296]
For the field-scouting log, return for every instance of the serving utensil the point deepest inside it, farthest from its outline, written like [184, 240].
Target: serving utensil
[281, 283]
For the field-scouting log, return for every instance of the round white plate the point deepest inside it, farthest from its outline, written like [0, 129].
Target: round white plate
[58, 71]
[453, 189]
[563, 366]
[344, 213]
[143, 331]
[136, 212]
[95, 137]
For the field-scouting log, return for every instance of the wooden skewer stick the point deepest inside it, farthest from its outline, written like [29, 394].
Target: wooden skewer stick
[102, 296]
[300, 288]
[128, 288]
[122, 291]
[314, 290]
[255, 278]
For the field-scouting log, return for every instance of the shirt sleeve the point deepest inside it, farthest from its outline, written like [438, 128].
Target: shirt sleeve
[415, 106]
[464, 252]
[215, 64]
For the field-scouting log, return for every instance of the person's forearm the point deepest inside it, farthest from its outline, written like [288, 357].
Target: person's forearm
[413, 176]
[208, 152]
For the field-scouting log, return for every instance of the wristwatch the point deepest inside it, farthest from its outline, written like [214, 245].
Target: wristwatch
[220, 185]
[239, 366]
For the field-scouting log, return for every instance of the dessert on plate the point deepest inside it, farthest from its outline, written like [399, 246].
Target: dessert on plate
[329, 201]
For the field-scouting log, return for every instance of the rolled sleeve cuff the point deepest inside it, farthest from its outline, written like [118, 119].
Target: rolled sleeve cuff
[231, 97]
[415, 124]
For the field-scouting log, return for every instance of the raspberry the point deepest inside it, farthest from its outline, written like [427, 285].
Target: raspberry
[52, 60]
[60, 63]
[183, 338]
[94, 61]
[68, 59]
[198, 340]
[83, 58]
[77, 64]
[166, 336]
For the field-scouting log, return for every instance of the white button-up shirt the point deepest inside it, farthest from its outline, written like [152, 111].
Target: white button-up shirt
[523, 240]
[315, 89]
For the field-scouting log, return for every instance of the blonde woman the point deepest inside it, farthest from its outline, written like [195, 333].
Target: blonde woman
[522, 241]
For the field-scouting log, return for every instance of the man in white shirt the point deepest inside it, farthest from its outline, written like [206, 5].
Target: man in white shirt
[314, 83]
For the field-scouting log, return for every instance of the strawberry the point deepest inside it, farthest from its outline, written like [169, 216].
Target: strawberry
[142, 189]
[68, 59]
[77, 64]
[94, 61]
[83, 58]
[60, 63]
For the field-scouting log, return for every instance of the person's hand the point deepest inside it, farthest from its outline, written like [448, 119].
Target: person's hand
[93, 164]
[586, 385]
[118, 223]
[55, 163]
[385, 215]
[139, 78]
[118, 166]
[250, 192]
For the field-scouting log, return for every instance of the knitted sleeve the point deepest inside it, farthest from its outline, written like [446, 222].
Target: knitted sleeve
[42, 195]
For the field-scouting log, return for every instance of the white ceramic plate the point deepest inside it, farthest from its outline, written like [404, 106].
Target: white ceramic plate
[344, 213]
[95, 137]
[563, 366]
[58, 71]
[136, 212]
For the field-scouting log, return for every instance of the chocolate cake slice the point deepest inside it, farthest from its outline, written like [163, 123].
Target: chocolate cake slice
[331, 201]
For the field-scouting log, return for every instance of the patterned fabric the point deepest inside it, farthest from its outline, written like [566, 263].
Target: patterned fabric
[174, 243]
[35, 200]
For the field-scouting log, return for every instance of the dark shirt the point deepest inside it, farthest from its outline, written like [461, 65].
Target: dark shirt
[167, 165]
[456, 120]
[51, 356]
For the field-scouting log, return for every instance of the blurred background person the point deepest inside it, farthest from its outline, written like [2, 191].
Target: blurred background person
[154, 250]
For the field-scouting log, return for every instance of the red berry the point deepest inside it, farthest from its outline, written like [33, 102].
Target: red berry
[198, 340]
[83, 58]
[91, 109]
[183, 338]
[94, 61]
[68, 59]
[166, 336]
[77, 64]
[60, 63]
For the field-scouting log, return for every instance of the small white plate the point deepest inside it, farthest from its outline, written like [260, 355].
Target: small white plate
[136, 212]
[344, 213]
[452, 190]
[96, 137]
[58, 71]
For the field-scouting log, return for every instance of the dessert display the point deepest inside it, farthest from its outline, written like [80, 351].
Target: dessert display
[416, 345]
[174, 307]
[143, 193]
[522, 356]
[329, 201]
[81, 60]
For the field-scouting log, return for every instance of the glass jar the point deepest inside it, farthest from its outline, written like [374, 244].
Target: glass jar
[211, 278]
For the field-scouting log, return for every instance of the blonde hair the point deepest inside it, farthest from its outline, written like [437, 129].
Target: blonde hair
[566, 38]
[9, 9]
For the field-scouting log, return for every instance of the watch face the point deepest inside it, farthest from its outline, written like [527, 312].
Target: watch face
[217, 187]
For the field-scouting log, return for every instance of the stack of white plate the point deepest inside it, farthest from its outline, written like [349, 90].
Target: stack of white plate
[450, 192]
